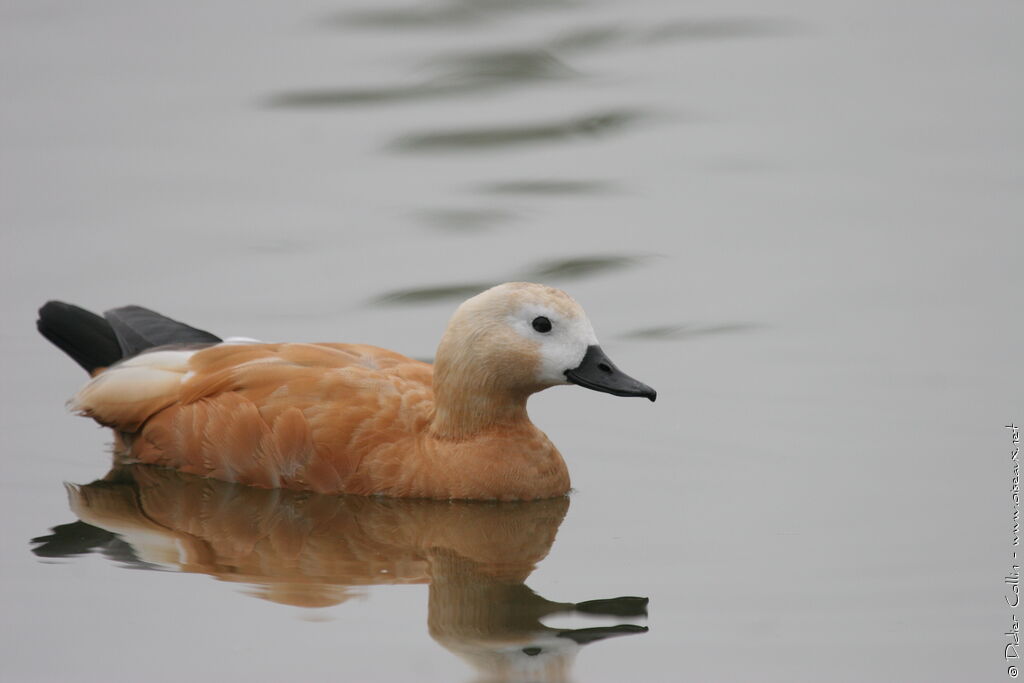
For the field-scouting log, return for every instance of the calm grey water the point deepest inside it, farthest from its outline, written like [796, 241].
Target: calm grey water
[800, 222]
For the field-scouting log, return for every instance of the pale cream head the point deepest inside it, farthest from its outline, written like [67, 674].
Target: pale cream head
[519, 336]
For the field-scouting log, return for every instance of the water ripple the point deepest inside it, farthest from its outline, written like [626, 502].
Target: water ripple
[682, 30]
[548, 187]
[718, 29]
[465, 220]
[589, 37]
[506, 64]
[461, 74]
[581, 266]
[686, 331]
[454, 13]
[589, 125]
[340, 97]
[483, 70]
[418, 295]
[572, 268]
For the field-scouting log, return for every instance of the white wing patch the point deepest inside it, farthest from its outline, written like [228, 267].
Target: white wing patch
[164, 360]
[143, 380]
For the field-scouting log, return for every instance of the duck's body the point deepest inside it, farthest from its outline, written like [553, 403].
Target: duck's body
[348, 418]
[332, 418]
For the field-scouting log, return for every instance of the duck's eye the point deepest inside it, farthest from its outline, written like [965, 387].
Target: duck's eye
[541, 324]
[532, 651]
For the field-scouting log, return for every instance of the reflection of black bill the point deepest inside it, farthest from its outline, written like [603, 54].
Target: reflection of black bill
[626, 606]
[590, 635]
[599, 373]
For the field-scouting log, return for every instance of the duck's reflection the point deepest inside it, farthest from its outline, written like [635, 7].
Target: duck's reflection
[312, 550]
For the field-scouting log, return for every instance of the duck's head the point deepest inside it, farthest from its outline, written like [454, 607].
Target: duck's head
[521, 337]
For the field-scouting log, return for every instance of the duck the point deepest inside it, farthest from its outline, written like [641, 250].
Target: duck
[344, 418]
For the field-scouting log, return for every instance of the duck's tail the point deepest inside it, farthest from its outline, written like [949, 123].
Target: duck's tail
[83, 335]
[96, 342]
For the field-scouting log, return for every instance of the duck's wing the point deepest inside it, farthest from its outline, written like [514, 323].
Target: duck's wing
[96, 342]
[138, 329]
[274, 415]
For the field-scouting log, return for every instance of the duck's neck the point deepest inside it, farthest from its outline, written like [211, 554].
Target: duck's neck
[461, 412]
[479, 389]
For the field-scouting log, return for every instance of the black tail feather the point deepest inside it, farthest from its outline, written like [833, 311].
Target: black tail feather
[83, 335]
[97, 342]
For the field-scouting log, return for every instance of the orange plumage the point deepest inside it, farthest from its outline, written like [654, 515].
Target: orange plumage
[335, 418]
[349, 418]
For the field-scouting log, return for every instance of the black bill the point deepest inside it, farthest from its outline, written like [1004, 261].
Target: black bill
[599, 373]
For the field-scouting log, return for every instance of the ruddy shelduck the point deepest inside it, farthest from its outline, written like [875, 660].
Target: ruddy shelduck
[344, 418]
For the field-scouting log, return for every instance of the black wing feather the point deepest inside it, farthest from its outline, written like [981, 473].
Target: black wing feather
[138, 329]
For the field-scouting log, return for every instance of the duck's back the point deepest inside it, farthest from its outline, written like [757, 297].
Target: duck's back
[276, 415]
